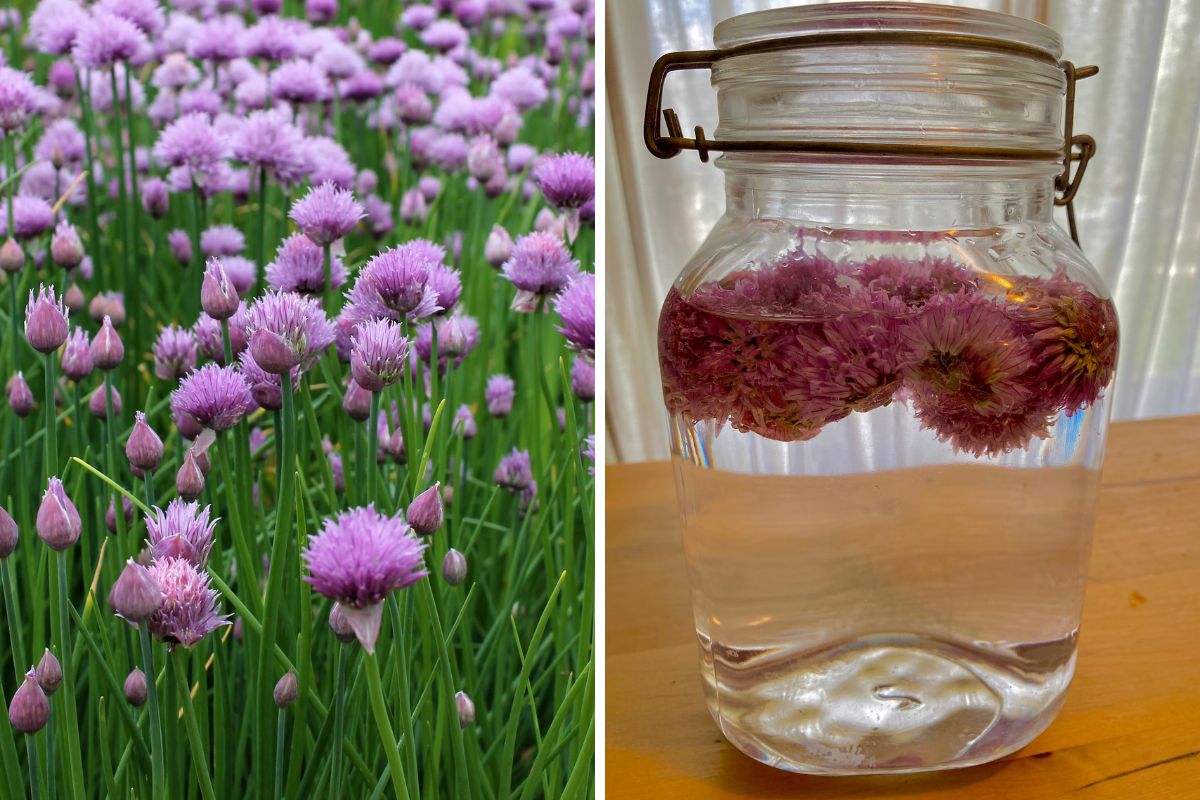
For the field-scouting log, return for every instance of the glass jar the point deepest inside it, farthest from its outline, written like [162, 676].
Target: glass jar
[888, 375]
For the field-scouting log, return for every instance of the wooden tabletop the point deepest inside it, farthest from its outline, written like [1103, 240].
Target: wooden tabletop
[1131, 725]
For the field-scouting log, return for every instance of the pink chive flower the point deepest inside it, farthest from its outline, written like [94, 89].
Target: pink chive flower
[539, 267]
[378, 355]
[576, 307]
[32, 216]
[18, 99]
[299, 266]
[174, 353]
[184, 531]
[104, 40]
[326, 213]
[213, 397]
[192, 142]
[299, 81]
[189, 609]
[222, 240]
[394, 284]
[567, 181]
[54, 24]
[357, 559]
[499, 395]
[267, 140]
[915, 282]
[285, 329]
[515, 471]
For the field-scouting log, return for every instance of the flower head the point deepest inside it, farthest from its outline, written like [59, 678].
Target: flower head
[326, 213]
[265, 387]
[285, 327]
[268, 140]
[222, 240]
[213, 397]
[144, 448]
[189, 609]
[107, 349]
[218, 295]
[18, 99]
[357, 559]
[576, 307]
[105, 39]
[182, 531]
[299, 266]
[20, 396]
[514, 472]
[66, 248]
[379, 354]
[174, 353]
[394, 284]
[32, 216]
[192, 141]
[54, 24]
[540, 265]
[567, 181]
[499, 395]
[299, 81]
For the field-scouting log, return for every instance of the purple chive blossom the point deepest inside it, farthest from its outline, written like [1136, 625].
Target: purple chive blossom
[360, 557]
[449, 152]
[378, 354]
[272, 38]
[77, 361]
[567, 181]
[326, 214]
[175, 72]
[521, 87]
[395, 285]
[386, 50]
[267, 140]
[222, 240]
[514, 472]
[320, 12]
[104, 40]
[464, 423]
[45, 320]
[182, 531]
[331, 163]
[576, 307]
[265, 386]
[299, 266]
[54, 24]
[32, 216]
[430, 186]
[418, 17]
[174, 353]
[444, 35]
[299, 82]
[192, 142]
[242, 273]
[540, 266]
[412, 207]
[589, 452]
[446, 283]
[337, 60]
[379, 216]
[218, 39]
[583, 379]
[145, 14]
[156, 198]
[62, 142]
[499, 395]
[18, 99]
[189, 609]
[214, 397]
[285, 327]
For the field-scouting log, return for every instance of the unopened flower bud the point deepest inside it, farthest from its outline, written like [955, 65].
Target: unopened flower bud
[189, 481]
[20, 396]
[454, 567]
[181, 246]
[136, 594]
[286, 690]
[12, 257]
[356, 402]
[66, 248]
[466, 710]
[340, 625]
[425, 513]
[45, 321]
[49, 673]
[73, 299]
[110, 516]
[107, 349]
[136, 690]
[156, 198]
[8, 534]
[98, 402]
[77, 362]
[58, 523]
[29, 710]
[272, 353]
[144, 448]
[499, 246]
[218, 297]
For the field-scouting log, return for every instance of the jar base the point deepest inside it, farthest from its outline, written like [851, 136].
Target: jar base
[888, 703]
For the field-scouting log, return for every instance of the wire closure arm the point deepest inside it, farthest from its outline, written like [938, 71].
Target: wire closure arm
[1076, 147]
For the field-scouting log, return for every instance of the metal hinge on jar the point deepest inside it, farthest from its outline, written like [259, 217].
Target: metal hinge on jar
[1076, 147]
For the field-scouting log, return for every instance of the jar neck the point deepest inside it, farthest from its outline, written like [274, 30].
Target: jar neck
[888, 194]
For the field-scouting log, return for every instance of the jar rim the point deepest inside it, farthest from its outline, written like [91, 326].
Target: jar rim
[777, 23]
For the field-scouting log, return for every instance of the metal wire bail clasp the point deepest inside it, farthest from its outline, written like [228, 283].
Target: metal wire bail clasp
[1067, 185]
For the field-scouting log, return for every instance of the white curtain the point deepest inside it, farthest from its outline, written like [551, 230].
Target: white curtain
[1138, 208]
